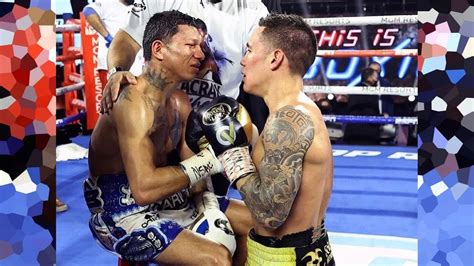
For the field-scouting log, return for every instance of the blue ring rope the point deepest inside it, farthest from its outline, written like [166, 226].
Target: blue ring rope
[359, 119]
[64, 121]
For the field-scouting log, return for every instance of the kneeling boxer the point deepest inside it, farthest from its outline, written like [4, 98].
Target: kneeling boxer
[140, 202]
[287, 180]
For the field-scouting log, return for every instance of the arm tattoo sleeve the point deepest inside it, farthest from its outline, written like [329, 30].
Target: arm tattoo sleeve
[270, 193]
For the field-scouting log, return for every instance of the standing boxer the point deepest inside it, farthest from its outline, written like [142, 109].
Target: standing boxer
[287, 181]
[139, 203]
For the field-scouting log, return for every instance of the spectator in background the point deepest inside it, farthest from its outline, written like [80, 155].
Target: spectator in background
[106, 17]
[366, 105]
[382, 82]
[395, 105]
[340, 105]
[386, 105]
[321, 100]
[387, 131]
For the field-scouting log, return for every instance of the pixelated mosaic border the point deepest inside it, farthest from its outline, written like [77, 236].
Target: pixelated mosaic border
[445, 141]
[27, 133]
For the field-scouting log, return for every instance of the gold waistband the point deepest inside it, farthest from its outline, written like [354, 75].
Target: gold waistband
[259, 254]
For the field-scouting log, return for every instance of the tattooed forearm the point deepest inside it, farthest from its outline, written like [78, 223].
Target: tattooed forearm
[270, 193]
[158, 80]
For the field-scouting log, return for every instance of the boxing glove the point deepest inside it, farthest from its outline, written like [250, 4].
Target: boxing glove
[228, 128]
[196, 140]
[194, 136]
[212, 222]
[225, 123]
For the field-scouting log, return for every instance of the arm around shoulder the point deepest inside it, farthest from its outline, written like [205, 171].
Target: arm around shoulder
[121, 54]
[122, 51]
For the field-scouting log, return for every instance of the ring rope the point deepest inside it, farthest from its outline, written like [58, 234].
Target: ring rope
[315, 22]
[73, 87]
[362, 21]
[358, 119]
[71, 57]
[75, 78]
[367, 53]
[68, 28]
[64, 121]
[364, 90]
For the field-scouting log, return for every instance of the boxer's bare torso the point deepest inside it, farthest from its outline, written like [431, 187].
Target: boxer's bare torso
[309, 206]
[165, 132]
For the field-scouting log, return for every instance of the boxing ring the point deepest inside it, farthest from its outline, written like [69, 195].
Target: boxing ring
[372, 213]
[81, 93]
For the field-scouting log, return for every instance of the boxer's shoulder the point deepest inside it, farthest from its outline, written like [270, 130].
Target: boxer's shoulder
[180, 101]
[290, 128]
[298, 116]
[133, 107]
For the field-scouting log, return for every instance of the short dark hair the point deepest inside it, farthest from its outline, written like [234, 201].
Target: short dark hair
[367, 72]
[375, 63]
[162, 26]
[294, 37]
[200, 24]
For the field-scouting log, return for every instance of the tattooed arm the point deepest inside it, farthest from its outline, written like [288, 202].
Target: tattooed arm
[270, 193]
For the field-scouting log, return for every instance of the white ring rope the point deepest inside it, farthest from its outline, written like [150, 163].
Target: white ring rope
[367, 53]
[75, 79]
[73, 87]
[361, 21]
[401, 91]
[68, 27]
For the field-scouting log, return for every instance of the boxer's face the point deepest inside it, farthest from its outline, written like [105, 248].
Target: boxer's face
[253, 63]
[182, 55]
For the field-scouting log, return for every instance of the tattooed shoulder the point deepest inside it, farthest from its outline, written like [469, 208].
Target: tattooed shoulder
[290, 126]
[148, 102]
[125, 94]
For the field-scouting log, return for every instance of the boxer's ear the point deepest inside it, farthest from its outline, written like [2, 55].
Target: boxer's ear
[277, 58]
[157, 49]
